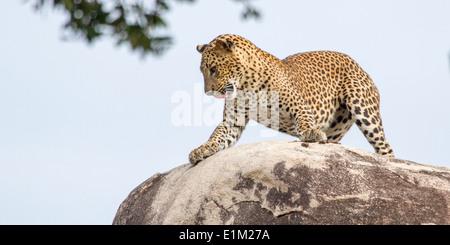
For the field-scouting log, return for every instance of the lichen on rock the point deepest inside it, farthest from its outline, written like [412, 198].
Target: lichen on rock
[283, 182]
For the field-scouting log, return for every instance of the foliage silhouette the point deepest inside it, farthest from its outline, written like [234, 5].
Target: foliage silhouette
[138, 23]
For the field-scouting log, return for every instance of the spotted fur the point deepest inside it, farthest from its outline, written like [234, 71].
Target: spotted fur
[321, 94]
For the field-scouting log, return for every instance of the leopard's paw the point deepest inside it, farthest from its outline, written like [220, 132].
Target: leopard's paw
[313, 135]
[201, 153]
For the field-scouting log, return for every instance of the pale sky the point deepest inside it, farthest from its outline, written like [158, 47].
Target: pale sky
[82, 125]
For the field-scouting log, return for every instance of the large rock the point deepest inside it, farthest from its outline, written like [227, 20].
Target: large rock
[285, 182]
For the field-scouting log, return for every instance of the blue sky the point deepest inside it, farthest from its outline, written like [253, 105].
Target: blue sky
[82, 125]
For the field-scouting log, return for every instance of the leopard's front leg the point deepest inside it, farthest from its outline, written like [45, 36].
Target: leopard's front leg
[224, 136]
[303, 119]
[306, 127]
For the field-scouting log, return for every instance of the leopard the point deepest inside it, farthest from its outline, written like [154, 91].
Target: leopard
[315, 96]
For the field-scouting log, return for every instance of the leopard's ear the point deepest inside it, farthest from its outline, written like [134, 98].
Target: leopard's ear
[226, 46]
[201, 48]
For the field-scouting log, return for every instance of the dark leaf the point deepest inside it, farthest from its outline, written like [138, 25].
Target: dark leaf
[134, 22]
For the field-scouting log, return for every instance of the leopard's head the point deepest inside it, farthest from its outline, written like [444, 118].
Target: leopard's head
[222, 65]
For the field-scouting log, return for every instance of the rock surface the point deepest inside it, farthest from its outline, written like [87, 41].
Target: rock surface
[286, 182]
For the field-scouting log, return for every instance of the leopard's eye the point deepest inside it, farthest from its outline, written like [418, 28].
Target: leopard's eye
[213, 71]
